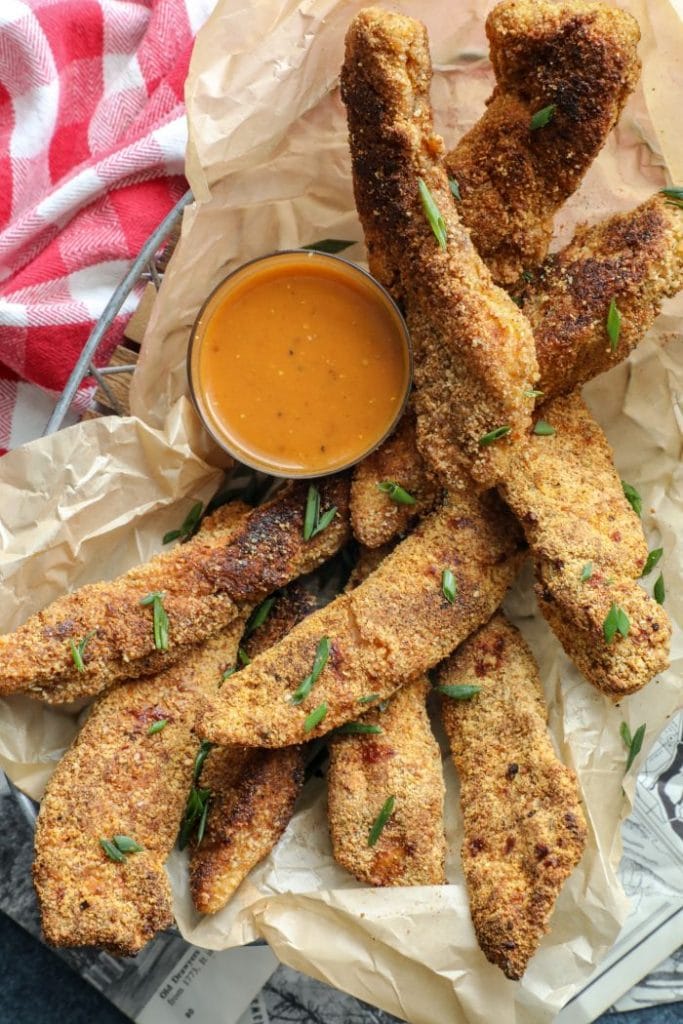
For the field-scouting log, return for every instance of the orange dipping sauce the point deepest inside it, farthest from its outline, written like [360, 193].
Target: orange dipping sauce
[299, 364]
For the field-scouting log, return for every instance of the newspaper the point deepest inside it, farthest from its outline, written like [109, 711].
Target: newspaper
[171, 981]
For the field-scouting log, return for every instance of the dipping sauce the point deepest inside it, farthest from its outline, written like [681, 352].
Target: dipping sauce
[299, 364]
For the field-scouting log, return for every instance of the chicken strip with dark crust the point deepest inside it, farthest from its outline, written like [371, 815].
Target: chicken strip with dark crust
[402, 761]
[577, 57]
[253, 792]
[524, 829]
[588, 549]
[474, 353]
[385, 633]
[204, 584]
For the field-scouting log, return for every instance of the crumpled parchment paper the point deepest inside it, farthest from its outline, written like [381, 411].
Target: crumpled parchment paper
[269, 166]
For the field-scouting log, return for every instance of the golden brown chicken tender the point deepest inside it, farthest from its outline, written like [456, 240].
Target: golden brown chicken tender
[524, 830]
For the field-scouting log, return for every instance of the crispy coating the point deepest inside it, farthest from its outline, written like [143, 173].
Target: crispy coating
[375, 518]
[253, 792]
[568, 497]
[635, 258]
[579, 55]
[367, 561]
[524, 830]
[116, 779]
[474, 351]
[365, 769]
[205, 582]
[386, 632]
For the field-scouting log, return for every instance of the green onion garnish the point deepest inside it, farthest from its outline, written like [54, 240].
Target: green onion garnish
[359, 727]
[315, 718]
[542, 117]
[332, 245]
[633, 743]
[315, 523]
[616, 621]
[632, 497]
[544, 429]
[381, 820]
[306, 685]
[127, 845]
[494, 435]
[258, 616]
[111, 851]
[463, 691]
[189, 525]
[613, 325]
[659, 591]
[157, 726]
[156, 599]
[652, 560]
[586, 572]
[455, 188]
[432, 213]
[449, 586]
[396, 492]
[78, 650]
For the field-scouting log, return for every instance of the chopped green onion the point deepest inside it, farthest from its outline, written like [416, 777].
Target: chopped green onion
[652, 560]
[544, 429]
[78, 650]
[632, 497]
[157, 726]
[243, 657]
[314, 523]
[633, 743]
[196, 810]
[127, 845]
[675, 194]
[542, 117]
[449, 586]
[205, 749]
[111, 851]
[226, 675]
[659, 591]
[455, 188]
[613, 325]
[396, 492]
[380, 821]
[432, 213]
[462, 691]
[494, 435]
[332, 245]
[616, 621]
[359, 727]
[189, 524]
[322, 653]
[156, 599]
[533, 393]
[586, 572]
[259, 616]
[315, 718]
[370, 697]
[527, 276]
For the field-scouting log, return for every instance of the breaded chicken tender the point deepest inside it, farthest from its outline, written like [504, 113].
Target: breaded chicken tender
[474, 352]
[402, 761]
[253, 792]
[524, 830]
[390, 629]
[204, 584]
[588, 549]
[634, 259]
[375, 517]
[578, 57]
[117, 779]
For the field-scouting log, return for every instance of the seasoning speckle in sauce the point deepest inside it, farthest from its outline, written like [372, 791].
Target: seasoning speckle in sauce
[300, 364]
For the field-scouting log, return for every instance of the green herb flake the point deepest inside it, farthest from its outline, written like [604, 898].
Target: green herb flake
[659, 591]
[616, 621]
[160, 618]
[652, 560]
[156, 727]
[532, 393]
[196, 811]
[315, 718]
[494, 435]
[633, 743]
[396, 493]
[243, 657]
[455, 188]
[432, 213]
[111, 851]
[359, 727]
[367, 700]
[259, 616]
[613, 325]
[205, 749]
[544, 429]
[632, 497]
[330, 245]
[380, 821]
[226, 675]
[314, 522]
[322, 653]
[586, 572]
[78, 650]
[675, 194]
[127, 845]
[527, 276]
[449, 586]
[542, 117]
[461, 691]
[189, 525]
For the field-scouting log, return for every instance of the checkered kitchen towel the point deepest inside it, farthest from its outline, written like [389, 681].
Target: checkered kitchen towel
[92, 140]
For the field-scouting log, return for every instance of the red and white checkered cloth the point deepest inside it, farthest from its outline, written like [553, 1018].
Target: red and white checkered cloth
[92, 141]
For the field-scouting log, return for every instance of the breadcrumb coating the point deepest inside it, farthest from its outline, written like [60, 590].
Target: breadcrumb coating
[205, 583]
[385, 633]
[524, 829]
[569, 499]
[474, 351]
[579, 56]
[402, 761]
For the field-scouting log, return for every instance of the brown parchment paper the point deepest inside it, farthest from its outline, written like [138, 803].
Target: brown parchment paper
[269, 166]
